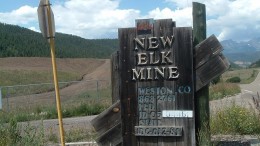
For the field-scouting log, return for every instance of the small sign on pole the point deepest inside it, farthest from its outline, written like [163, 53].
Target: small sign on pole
[46, 23]
[43, 19]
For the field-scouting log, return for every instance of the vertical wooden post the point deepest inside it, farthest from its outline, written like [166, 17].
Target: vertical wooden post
[115, 78]
[202, 95]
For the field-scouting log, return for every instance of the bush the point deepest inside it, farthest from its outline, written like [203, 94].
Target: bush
[216, 80]
[234, 80]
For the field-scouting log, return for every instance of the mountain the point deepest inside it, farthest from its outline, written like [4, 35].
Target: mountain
[242, 53]
[16, 41]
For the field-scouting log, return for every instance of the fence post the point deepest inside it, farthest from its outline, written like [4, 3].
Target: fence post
[1, 106]
[7, 99]
[201, 96]
[97, 90]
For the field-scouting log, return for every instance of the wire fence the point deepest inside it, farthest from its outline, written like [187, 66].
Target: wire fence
[32, 97]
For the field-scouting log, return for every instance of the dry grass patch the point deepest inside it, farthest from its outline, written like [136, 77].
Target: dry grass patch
[222, 90]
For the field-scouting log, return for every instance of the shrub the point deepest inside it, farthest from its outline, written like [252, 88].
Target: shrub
[234, 80]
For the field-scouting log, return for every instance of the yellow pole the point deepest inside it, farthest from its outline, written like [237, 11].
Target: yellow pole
[55, 76]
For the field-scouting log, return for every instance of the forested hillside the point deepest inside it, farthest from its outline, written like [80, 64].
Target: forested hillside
[16, 41]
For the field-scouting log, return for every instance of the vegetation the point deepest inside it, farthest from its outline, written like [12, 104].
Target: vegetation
[24, 77]
[246, 75]
[84, 104]
[234, 66]
[42, 81]
[235, 120]
[255, 64]
[222, 89]
[17, 41]
[234, 80]
[13, 134]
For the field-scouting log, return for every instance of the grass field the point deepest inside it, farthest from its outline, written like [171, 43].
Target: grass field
[24, 77]
[246, 75]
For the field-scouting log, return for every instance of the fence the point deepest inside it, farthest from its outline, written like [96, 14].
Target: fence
[35, 97]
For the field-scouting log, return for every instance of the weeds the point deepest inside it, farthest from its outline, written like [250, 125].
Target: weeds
[235, 120]
[222, 90]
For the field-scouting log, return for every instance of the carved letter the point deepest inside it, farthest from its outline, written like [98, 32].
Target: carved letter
[152, 58]
[139, 42]
[167, 41]
[157, 70]
[142, 59]
[153, 43]
[137, 75]
[165, 57]
[149, 74]
[173, 73]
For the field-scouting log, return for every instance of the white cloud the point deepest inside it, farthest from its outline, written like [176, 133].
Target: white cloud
[182, 17]
[24, 15]
[227, 19]
[93, 19]
[230, 19]
[34, 29]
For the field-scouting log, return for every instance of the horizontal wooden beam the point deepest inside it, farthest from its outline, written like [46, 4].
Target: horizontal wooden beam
[107, 119]
[206, 50]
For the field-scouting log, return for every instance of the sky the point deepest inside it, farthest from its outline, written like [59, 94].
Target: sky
[238, 20]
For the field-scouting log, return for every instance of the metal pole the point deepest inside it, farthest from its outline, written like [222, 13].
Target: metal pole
[55, 76]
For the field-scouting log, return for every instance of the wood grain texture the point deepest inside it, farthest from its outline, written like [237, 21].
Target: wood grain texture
[202, 95]
[127, 88]
[210, 70]
[115, 78]
[206, 50]
[107, 119]
[162, 94]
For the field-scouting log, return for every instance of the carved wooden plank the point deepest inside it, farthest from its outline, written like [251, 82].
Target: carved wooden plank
[156, 131]
[207, 49]
[107, 119]
[210, 70]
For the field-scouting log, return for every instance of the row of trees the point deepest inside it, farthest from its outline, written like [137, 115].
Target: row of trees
[17, 41]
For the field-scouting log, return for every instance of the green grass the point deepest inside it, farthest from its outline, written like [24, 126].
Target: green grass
[84, 104]
[42, 81]
[13, 134]
[246, 75]
[235, 120]
[23, 77]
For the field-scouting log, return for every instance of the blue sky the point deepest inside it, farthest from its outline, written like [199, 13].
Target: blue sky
[227, 19]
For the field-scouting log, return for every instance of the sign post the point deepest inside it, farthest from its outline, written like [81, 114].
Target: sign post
[46, 22]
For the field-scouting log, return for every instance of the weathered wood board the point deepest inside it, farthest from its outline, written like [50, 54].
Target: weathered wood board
[156, 71]
[214, 66]
[153, 77]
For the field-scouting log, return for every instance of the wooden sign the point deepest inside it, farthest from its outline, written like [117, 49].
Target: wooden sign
[156, 84]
